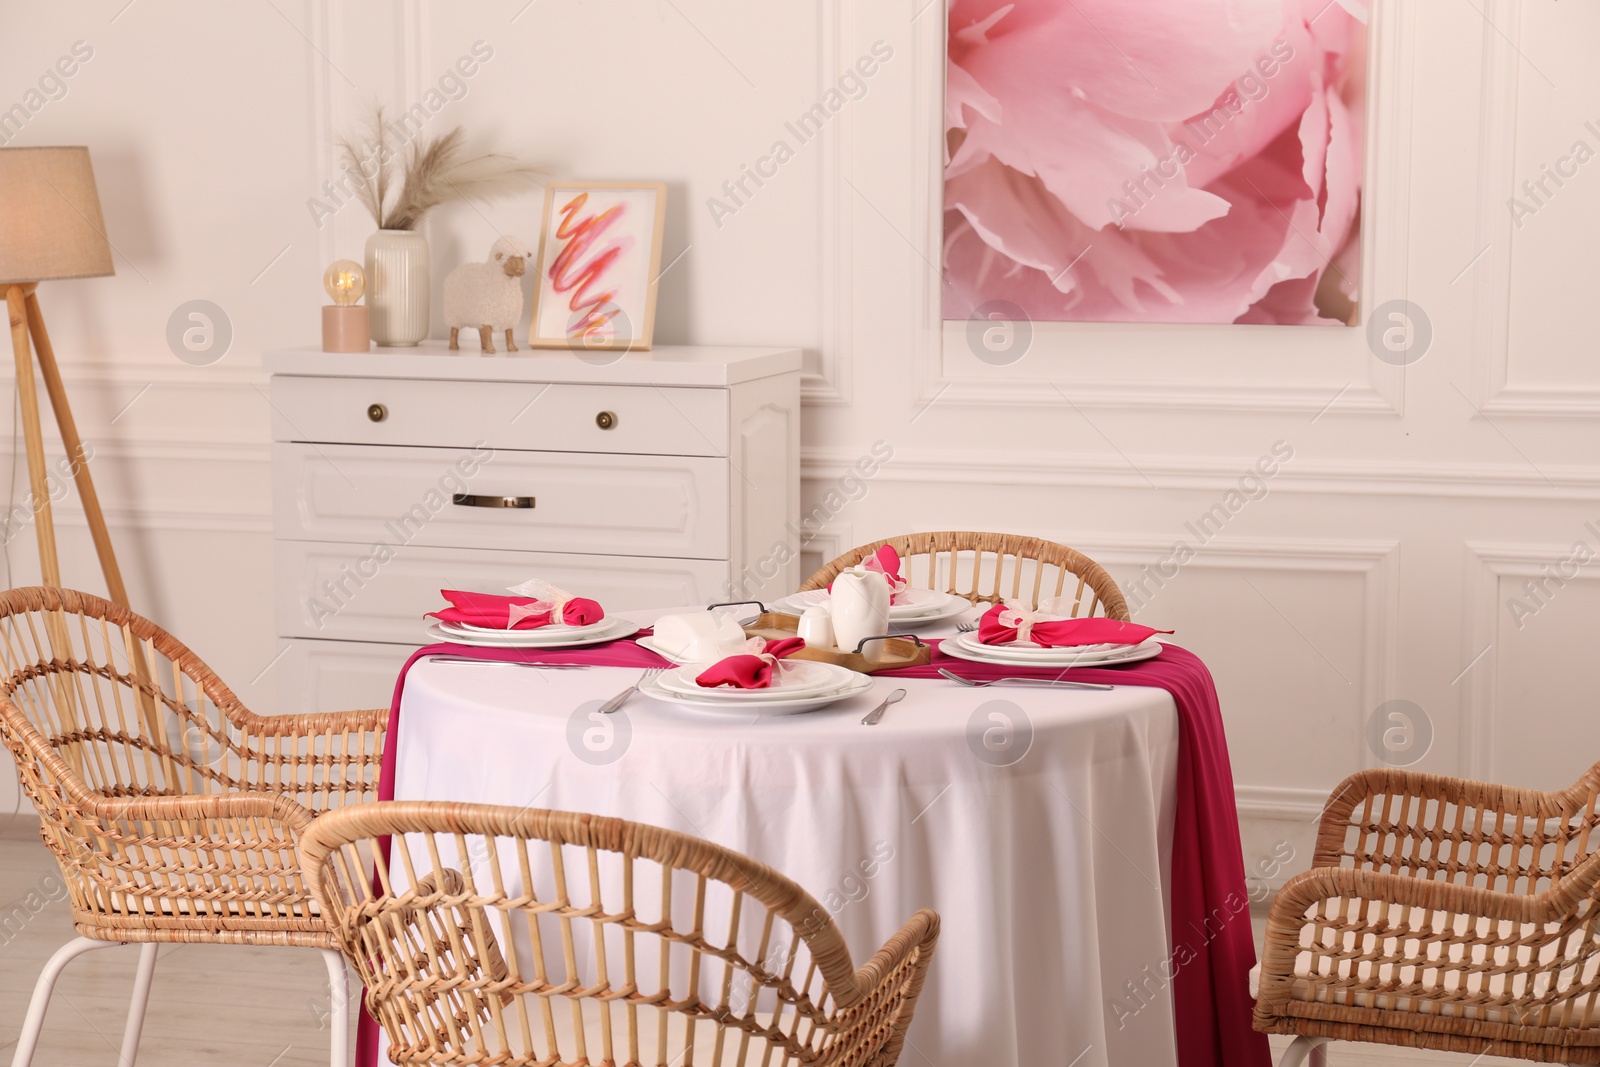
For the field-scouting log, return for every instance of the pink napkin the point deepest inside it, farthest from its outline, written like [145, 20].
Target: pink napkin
[886, 561]
[750, 670]
[1000, 624]
[498, 612]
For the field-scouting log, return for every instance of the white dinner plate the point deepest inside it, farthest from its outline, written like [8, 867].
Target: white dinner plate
[797, 679]
[560, 628]
[741, 707]
[997, 654]
[617, 629]
[913, 607]
[971, 642]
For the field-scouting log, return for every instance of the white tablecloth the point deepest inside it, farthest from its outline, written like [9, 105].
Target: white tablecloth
[1050, 873]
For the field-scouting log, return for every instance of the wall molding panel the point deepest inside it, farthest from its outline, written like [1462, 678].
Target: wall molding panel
[829, 384]
[1279, 803]
[1503, 74]
[1065, 470]
[1486, 564]
[1376, 562]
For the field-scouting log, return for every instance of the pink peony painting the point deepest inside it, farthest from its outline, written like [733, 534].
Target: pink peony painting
[1194, 161]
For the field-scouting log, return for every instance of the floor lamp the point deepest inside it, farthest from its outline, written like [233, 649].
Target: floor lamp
[50, 228]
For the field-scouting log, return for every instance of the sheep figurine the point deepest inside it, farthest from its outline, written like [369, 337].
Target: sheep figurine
[487, 296]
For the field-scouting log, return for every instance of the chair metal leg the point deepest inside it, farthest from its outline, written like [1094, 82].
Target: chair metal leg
[141, 998]
[1307, 1050]
[339, 1003]
[33, 1023]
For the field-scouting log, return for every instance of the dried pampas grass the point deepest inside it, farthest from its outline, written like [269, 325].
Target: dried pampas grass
[433, 174]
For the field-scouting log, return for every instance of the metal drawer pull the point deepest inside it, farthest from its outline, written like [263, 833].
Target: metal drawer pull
[377, 412]
[483, 500]
[606, 420]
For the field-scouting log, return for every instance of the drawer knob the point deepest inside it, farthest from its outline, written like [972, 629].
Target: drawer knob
[377, 412]
[479, 500]
[606, 420]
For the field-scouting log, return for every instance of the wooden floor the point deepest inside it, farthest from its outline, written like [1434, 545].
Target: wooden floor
[243, 1007]
[210, 1005]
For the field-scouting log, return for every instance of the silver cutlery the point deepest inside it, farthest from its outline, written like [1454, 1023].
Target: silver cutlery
[966, 627]
[512, 663]
[1044, 682]
[875, 716]
[622, 698]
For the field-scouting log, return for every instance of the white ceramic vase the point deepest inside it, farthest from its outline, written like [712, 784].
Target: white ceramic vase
[397, 287]
[859, 604]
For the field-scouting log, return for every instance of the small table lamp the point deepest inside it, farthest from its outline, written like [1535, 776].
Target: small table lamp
[50, 228]
[345, 325]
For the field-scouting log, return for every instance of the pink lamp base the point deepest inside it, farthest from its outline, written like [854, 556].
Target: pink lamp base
[346, 329]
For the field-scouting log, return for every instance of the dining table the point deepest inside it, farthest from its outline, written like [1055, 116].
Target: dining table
[1038, 821]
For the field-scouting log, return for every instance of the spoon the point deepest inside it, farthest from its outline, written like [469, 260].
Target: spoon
[875, 716]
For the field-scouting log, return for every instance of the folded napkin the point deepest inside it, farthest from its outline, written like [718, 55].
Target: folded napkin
[751, 669]
[1004, 624]
[541, 605]
[885, 561]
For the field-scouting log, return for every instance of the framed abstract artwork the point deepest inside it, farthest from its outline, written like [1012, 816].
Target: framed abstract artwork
[1176, 161]
[599, 262]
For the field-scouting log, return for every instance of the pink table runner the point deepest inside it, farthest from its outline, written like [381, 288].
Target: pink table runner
[1213, 945]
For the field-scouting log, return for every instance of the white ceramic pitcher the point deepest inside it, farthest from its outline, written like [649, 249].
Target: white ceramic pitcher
[860, 608]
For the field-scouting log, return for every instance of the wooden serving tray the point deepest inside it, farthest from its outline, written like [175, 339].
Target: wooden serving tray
[897, 651]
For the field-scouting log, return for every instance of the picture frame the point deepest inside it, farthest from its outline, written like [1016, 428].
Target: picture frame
[599, 263]
[1078, 190]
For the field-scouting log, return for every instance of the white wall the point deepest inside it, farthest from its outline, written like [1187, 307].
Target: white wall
[1377, 568]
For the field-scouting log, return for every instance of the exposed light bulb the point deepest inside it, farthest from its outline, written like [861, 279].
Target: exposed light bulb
[345, 281]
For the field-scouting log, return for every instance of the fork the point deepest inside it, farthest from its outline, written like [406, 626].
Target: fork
[511, 663]
[966, 627]
[622, 698]
[1046, 682]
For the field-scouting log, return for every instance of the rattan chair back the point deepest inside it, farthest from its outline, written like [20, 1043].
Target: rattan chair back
[620, 943]
[173, 810]
[1447, 914]
[993, 566]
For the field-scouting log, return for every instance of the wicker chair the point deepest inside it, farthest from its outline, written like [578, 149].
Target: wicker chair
[1443, 914]
[622, 944]
[173, 811]
[989, 566]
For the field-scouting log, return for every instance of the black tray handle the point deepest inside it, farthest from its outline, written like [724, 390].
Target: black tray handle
[913, 638]
[736, 604]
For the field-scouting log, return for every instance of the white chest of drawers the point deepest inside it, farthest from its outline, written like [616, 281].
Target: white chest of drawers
[660, 478]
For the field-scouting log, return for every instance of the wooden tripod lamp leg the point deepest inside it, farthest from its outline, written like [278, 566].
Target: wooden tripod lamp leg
[28, 395]
[51, 373]
[39, 502]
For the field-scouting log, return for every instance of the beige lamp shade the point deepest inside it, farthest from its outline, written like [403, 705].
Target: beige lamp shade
[50, 222]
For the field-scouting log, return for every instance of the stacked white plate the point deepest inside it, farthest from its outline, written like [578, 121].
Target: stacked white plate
[911, 607]
[967, 646]
[800, 685]
[556, 635]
